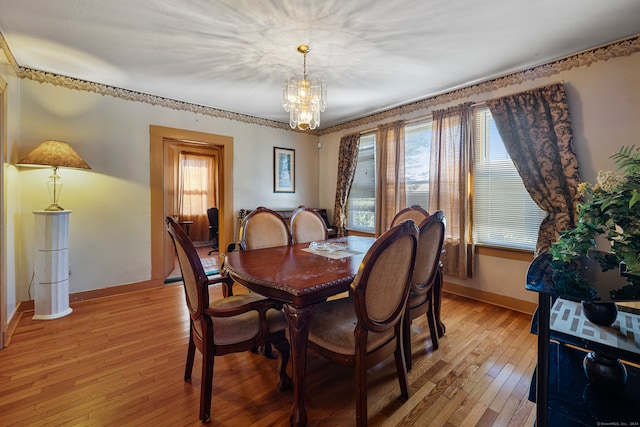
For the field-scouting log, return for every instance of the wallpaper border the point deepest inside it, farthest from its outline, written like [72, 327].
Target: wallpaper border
[620, 48]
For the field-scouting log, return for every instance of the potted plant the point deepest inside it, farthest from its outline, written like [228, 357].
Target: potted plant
[610, 208]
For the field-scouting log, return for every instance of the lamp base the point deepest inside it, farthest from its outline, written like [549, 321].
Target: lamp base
[54, 207]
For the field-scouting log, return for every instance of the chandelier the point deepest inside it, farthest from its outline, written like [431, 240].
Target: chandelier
[304, 97]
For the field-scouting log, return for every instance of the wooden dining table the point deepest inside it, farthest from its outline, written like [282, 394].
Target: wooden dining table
[301, 278]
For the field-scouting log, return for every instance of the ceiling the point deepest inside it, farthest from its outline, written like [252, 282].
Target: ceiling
[234, 54]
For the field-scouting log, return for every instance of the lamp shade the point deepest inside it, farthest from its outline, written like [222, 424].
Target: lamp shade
[56, 154]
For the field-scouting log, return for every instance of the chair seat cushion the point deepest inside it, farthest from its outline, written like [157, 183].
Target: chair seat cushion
[333, 324]
[416, 299]
[243, 327]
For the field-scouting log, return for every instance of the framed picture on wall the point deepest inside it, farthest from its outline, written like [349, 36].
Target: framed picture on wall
[284, 170]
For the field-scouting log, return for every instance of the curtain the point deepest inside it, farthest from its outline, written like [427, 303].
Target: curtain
[449, 185]
[390, 188]
[536, 129]
[347, 160]
[197, 191]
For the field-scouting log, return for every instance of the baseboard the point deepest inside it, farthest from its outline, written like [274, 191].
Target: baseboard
[101, 293]
[11, 326]
[491, 298]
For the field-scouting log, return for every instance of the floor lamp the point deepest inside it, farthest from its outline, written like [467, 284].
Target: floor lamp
[51, 263]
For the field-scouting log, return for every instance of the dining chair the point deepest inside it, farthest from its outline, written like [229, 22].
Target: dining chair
[263, 228]
[366, 328]
[227, 325]
[307, 225]
[414, 212]
[426, 275]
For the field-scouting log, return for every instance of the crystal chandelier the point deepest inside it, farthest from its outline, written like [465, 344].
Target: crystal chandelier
[304, 97]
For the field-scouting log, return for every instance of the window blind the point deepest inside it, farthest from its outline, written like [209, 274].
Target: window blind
[503, 212]
[362, 198]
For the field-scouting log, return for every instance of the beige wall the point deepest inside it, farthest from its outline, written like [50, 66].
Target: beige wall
[109, 226]
[604, 102]
[12, 245]
[110, 235]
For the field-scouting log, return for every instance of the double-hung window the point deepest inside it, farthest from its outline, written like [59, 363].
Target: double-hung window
[417, 153]
[504, 214]
[362, 198]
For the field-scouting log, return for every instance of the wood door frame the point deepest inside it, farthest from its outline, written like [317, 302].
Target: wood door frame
[158, 137]
[3, 213]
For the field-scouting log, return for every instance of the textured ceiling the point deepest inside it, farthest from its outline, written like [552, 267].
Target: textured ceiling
[234, 54]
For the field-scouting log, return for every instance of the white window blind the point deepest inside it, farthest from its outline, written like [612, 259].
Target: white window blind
[417, 154]
[503, 214]
[362, 198]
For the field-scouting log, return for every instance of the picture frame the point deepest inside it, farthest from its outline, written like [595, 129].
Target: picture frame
[284, 170]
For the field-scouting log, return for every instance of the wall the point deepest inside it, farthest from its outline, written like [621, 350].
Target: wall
[604, 102]
[109, 226]
[11, 189]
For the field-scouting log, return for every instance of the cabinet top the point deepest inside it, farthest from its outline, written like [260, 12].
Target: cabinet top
[596, 277]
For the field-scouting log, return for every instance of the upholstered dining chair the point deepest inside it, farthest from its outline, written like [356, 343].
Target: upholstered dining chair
[307, 225]
[426, 275]
[366, 328]
[263, 228]
[227, 325]
[414, 212]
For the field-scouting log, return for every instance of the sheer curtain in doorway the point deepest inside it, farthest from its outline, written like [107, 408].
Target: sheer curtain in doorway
[197, 191]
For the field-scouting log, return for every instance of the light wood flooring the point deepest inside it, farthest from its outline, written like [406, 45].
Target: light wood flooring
[119, 361]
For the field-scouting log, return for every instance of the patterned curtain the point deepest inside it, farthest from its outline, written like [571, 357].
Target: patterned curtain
[390, 188]
[536, 129]
[347, 160]
[449, 185]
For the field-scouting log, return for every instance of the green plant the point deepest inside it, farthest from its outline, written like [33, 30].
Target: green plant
[610, 208]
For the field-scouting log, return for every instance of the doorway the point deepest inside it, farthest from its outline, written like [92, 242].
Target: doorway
[161, 139]
[191, 186]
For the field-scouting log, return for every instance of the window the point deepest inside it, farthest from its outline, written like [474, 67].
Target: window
[417, 153]
[362, 198]
[503, 212]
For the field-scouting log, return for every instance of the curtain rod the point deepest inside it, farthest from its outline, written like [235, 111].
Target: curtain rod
[473, 105]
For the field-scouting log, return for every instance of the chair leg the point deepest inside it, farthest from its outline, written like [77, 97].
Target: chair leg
[402, 369]
[191, 352]
[284, 381]
[432, 326]
[361, 388]
[406, 342]
[437, 302]
[268, 351]
[206, 387]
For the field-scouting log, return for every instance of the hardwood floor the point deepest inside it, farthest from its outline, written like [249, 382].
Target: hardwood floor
[119, 361]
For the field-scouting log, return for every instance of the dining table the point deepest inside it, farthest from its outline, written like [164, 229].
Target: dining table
[300, 277]
[303, 276]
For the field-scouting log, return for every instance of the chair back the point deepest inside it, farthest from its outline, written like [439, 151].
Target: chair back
[414, 212]
[212, 215]
[263, 228]
[429, 249]
[193, 273]
[307, 225]
[381, 287]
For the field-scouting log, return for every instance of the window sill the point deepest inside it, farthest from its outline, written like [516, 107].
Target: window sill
[360, 233]
[507, 253]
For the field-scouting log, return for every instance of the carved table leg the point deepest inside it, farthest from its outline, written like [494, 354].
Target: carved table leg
[298, 320]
